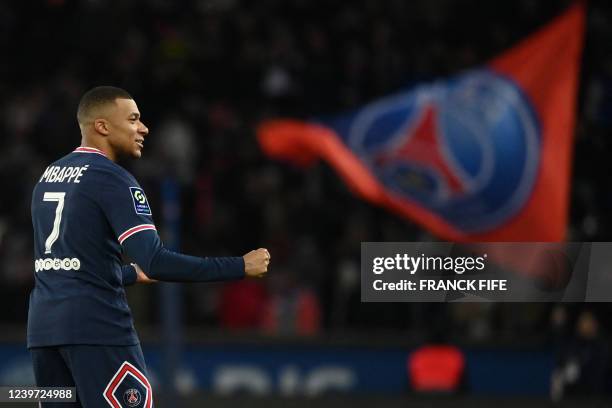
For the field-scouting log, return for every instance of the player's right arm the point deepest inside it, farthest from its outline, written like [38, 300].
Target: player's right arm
[255, 265]
[159, 263]
[129, 214]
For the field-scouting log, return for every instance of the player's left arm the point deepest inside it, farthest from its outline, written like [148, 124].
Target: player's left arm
[132, 274]
[141, 276]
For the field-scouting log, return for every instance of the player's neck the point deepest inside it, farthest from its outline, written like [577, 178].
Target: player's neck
[108, 152]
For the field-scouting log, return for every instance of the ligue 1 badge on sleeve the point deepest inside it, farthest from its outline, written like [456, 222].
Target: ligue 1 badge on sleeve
[132, 397]
[141, 205]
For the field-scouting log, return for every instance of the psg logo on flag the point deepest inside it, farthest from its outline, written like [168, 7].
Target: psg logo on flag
[467, 148]
[132, 397]
[482, 156]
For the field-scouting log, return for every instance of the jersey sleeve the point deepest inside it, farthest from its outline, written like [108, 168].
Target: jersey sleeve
[128, 212]
[162, 264]
[125, 205]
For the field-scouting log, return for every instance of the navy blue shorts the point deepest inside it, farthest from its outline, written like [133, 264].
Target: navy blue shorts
[104, 376]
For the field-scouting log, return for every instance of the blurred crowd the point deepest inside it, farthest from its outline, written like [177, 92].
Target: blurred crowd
[204, 73]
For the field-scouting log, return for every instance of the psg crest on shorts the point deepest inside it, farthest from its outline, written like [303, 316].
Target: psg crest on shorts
[129, 387]
[468, 148]
[132, 397]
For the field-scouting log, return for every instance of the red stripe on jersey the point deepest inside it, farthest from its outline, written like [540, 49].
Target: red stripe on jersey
[90, 150]
[134, 230]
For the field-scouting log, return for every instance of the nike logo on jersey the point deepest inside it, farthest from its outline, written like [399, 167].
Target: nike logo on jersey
[61, 174]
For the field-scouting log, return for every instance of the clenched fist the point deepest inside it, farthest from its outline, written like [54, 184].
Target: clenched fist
[256, 263]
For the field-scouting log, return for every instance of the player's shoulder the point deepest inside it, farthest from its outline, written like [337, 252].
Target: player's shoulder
[89, 168]
[101, 168]
[108, 168]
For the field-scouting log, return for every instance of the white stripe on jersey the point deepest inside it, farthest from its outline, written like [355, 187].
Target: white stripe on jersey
[83, 149]
[131, 231]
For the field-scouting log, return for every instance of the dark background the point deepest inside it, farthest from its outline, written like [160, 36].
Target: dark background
[204, 73]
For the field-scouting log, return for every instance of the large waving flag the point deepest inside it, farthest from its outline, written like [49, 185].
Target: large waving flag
[483, 156]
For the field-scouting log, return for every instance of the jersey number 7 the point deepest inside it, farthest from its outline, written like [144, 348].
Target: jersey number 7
[59, 198]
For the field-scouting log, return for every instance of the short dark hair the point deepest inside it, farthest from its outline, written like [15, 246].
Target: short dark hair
[97, 97]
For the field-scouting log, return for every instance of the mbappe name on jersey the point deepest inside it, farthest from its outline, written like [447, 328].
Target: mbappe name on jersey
[61, 174]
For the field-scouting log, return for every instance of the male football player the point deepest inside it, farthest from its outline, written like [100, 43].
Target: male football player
[86, 211]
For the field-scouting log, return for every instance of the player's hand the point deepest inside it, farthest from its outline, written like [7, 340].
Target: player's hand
[141, 277]
[256, 263]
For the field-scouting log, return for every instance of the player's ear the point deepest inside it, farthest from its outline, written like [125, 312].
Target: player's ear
[101, 126]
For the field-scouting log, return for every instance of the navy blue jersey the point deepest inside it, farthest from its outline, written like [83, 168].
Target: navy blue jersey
[86, 211]
[80, 214]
